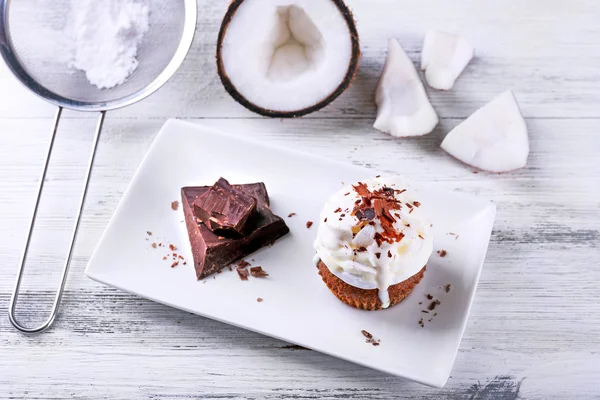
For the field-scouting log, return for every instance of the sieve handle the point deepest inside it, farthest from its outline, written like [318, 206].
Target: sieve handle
[59, 293]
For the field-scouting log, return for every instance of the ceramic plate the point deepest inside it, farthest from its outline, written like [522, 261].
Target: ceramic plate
[297, 307]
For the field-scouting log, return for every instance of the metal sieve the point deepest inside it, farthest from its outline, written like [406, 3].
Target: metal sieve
[30, 39]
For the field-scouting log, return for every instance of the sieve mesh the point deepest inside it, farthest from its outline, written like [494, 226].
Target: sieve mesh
[36, 33]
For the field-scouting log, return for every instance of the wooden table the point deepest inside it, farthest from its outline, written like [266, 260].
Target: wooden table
[534, 329]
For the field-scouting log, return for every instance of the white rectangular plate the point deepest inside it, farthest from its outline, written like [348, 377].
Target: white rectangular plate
[297, 306]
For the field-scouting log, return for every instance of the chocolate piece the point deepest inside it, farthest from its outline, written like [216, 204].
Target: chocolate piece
[211, 253]
[225, 209]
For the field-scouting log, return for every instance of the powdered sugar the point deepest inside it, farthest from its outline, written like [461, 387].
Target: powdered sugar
[104, 38]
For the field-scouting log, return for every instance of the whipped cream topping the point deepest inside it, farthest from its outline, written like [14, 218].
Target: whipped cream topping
[374, 234]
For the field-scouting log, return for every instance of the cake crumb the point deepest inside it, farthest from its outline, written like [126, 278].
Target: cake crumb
[153, 245]
[174, 205]
[442, 253]
[165, 257]
[172, 247]
[149, 233]
[308, 224]
[259, 299]
[291, 215]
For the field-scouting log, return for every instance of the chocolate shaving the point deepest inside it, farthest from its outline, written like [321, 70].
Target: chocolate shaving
[175, 205]
[149, 233]
[325, 220]
[389, 254]
[308, 224]
[417, 204]
[172, 247]
[366, 334]
[347, 194]
[342, 215]
[291, 215]
[337, 210]
[442, 253]
[377, 255]
[375, 343]
[243, 273]
[258, 272]
[377, 176]
[409, 205]
[447, 287]
[429, 297]
[174, 264]
[425, 311]
[243, 264]
[421, 236]
[361, 249]
[433, 304]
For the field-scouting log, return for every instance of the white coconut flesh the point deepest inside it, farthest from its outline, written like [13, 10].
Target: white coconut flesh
[443, 58]
[403, 108]
[494, 138]
[286, 55]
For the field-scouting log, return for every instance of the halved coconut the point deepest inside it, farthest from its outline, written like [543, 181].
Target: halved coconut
[403, 108]
[494, 138]
[287, 58]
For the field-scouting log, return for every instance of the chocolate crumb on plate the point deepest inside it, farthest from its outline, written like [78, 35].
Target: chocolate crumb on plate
[174, 205]
[258, 272]
[442, 253]
[243, 264]
[433, 304]
[172, 247]
[176, 263]
[429, 297]
[153, 245]
[447, 287]
[149, 233]
[243, 273]
[375, 343]
[291, 215]
[308, 224]
[165, 257]
[366, 334]
[259, 299]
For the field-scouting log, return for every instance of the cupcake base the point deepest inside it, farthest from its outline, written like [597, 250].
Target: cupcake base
[367, 299]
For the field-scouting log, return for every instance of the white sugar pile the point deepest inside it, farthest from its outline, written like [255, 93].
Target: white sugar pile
[104, 37]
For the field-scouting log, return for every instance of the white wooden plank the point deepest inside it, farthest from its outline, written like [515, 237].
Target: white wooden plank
[535, 299]
[546, 51]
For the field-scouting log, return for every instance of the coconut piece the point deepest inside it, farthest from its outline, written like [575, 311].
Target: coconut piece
[403, 108]
[286, 58]
[443, 58]
[494, 138]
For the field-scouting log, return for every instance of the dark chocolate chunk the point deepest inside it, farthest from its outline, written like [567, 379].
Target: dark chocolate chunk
[211, 253]
[225, 209]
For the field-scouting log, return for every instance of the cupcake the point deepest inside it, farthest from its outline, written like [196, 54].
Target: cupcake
[373, 243]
